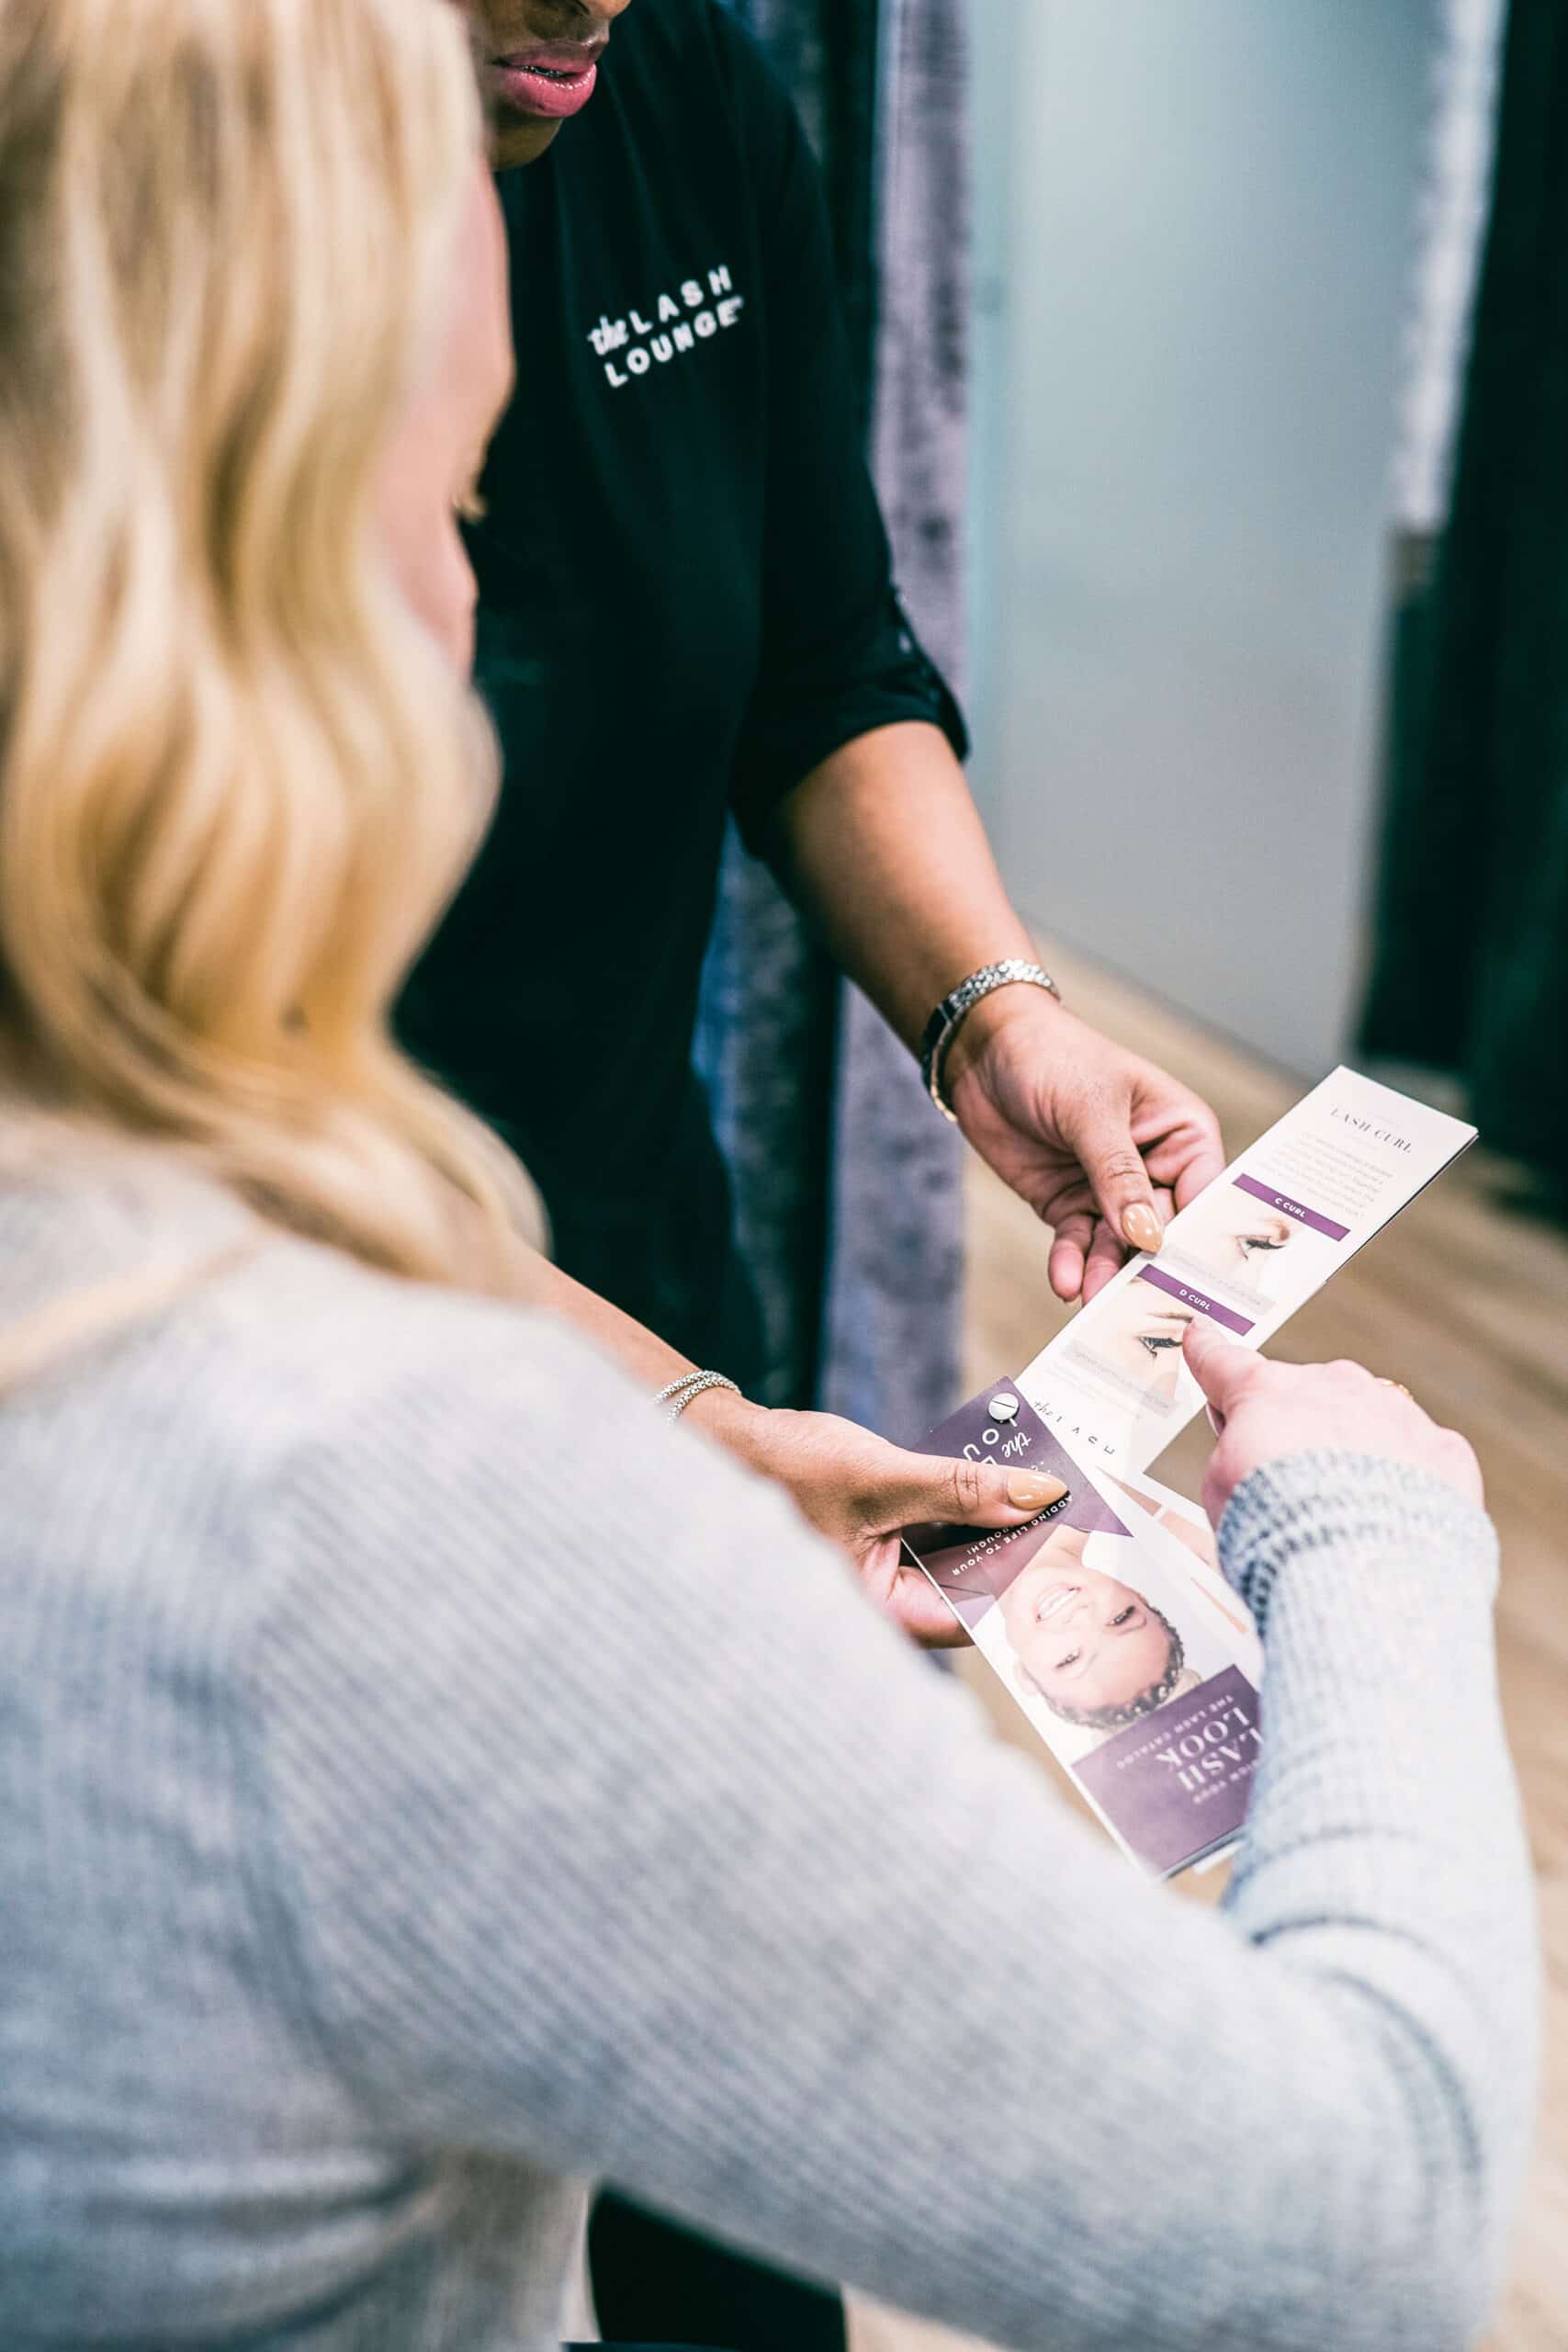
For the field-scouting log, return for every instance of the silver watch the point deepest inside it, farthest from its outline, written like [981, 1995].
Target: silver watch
[955, 1009]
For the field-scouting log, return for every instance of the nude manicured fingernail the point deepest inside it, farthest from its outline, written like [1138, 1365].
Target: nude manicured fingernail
[1141, 1228]
[1027, 1493]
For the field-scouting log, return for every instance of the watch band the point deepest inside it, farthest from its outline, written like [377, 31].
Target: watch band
[955, 1009]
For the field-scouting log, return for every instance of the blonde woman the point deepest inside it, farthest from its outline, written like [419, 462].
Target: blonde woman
[430, 1782]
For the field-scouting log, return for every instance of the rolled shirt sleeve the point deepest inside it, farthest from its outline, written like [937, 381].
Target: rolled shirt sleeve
[838, 655]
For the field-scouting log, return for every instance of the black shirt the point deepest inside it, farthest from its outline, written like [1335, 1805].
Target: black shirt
[685, 605]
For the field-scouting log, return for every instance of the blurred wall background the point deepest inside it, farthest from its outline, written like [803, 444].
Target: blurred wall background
[1194, 241]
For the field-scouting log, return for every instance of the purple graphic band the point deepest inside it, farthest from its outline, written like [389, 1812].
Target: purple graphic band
[1196, 1298]
[1287, 1207]
[1179, 1780]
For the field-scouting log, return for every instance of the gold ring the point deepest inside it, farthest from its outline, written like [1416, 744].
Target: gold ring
[1399, 1384]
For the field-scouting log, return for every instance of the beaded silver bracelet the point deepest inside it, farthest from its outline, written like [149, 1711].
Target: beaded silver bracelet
[679, 1394]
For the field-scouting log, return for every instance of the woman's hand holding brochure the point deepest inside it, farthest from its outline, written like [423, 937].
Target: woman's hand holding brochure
[862, 1493]
[1265, 1411]
[1243, 1255]
[1101, 1145]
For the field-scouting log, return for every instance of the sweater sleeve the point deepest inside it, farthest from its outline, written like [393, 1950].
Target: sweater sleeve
[616, 1831]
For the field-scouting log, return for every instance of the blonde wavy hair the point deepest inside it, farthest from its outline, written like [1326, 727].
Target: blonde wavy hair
[238, 783]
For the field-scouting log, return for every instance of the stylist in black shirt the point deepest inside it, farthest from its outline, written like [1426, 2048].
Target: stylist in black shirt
[686, 610]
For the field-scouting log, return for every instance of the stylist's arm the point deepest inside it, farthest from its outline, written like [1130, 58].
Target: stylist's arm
[883, 846]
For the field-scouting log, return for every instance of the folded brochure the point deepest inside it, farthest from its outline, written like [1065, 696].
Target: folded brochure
[1107, 1617]
[1139, 1676]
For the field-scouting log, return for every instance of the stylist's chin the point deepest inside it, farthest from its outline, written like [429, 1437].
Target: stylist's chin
[541, 61]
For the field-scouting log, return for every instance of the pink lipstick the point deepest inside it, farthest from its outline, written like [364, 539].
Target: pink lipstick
[552, 82]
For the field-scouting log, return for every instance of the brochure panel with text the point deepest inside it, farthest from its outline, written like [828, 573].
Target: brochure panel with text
[1245, 1253]
[1134, 1662]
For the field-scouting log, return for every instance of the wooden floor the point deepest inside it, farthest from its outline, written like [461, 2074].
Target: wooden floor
[1466, 1301]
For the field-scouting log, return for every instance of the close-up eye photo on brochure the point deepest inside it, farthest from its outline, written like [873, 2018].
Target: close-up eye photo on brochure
[1106, 1619]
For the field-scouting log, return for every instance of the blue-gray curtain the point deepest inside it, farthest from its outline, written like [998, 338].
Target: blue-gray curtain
[847, 1184]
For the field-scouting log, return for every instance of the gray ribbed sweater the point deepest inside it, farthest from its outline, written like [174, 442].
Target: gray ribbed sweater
[430, 1782]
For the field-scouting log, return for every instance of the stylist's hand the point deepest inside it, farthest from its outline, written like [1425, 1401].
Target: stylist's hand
[1099, 1143]
[859, 1491]
[1264, 1411]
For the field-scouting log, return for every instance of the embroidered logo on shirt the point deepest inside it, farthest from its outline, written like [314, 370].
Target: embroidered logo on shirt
[696, 314]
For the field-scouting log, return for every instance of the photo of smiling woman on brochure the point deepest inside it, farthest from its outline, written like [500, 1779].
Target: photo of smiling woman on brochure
[1080, 1622]
[1097, 1651]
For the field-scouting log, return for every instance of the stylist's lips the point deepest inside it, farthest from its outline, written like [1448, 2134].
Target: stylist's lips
[553, 82]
